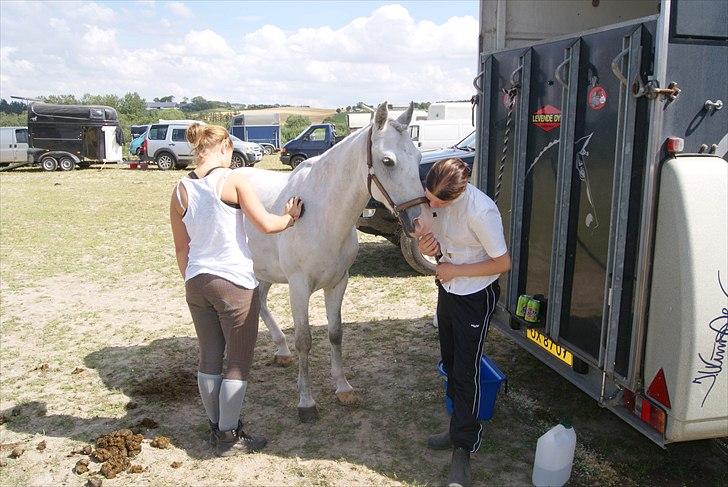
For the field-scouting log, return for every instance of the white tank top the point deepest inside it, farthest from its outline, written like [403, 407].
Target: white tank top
[218, 243]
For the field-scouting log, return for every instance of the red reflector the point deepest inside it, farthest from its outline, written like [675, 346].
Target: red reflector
[646, 411]
[658, 389]
[657, 419]
[675, 145]
[628, 398]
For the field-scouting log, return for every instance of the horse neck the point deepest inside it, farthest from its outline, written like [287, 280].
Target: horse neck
[340, 176]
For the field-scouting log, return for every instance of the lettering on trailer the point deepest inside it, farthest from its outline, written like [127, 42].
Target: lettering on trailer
[546, 118]
[713, 365]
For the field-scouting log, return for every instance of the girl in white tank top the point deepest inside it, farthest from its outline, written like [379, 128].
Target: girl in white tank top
[207, 212]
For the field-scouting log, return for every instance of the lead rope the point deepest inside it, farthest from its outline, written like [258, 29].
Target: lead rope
[506, 137]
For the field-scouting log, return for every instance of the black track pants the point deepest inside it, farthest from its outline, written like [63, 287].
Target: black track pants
[463, 324]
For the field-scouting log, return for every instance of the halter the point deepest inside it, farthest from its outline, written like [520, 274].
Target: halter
[397, 209]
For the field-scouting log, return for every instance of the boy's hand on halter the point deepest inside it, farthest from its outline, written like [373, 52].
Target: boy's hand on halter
[446, 272]
[294, 208]
[428, 245]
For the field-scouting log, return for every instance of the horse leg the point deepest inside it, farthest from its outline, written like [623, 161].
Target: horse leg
[283, 356]
[300, 294]
[333, 297]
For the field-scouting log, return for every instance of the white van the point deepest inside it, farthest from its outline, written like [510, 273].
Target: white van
[436, 134]
[13, 144]
[459, 110]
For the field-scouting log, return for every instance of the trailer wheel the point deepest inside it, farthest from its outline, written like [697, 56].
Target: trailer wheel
[237, 160]
[296, 160]
[66, 163]
[164, 161]
[49, 163]
[411, 253]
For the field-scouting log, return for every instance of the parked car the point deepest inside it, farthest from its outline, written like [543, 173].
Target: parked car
[378, 220]
[313, 141]
[245, 153]
[166, 144]
[137, 138]
[13, 144]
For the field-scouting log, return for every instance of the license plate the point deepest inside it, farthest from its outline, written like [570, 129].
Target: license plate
[550, 346]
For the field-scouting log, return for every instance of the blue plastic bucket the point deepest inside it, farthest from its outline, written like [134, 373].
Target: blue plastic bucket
[491, 379]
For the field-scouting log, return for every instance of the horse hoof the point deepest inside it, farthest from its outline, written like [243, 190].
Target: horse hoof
[283, 360]
[347, 398]
[308, 415]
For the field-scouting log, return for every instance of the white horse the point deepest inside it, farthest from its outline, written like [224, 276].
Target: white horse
[317, 252]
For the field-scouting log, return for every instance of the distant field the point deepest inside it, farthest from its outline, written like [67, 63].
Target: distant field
[317, 115]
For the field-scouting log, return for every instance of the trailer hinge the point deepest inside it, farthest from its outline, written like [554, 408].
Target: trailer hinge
[651, 90]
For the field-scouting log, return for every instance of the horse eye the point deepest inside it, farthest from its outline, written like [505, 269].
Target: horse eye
[388, 161]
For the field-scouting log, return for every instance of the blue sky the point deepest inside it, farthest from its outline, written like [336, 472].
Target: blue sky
[315, 53]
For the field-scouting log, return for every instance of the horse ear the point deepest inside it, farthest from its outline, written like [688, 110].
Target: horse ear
[380, 117]
[406, 116]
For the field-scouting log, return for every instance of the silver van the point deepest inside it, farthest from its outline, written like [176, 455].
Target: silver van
[13, 144]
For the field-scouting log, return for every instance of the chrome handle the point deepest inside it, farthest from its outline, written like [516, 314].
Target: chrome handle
[616, 68]
[557, 73]
[478, 87]
[713, 105]
[513, 75]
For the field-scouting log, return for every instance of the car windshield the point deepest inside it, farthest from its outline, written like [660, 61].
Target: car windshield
[468, 143]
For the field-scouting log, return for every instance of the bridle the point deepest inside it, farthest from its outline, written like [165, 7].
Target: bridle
[396, 209]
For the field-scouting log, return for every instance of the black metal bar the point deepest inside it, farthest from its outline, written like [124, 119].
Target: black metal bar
[564, 179]
[483, 166]
[518, 248]
[621, 197]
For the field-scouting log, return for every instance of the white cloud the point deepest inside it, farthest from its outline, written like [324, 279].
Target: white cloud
[385, 55]
[179, 9]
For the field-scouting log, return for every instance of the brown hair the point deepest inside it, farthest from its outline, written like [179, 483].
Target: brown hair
[205, 137]
[448, 179]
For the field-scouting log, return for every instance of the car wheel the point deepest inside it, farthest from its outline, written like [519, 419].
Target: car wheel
[267, 150]
[49, 163]
[296, 160]
[66, 163]
[164, 161]
[237, 161]
[411, 253]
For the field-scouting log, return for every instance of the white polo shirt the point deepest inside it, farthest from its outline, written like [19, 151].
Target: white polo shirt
[469, 230]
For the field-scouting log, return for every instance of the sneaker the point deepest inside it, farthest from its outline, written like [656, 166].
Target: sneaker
[228, 443]
[440, 441]
[459, 468]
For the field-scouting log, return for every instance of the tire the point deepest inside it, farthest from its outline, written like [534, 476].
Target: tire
[296, 160]
[66, 163]
[49, 163]
[421, 263]
[267, 150]
[165, 161]
[237, 160]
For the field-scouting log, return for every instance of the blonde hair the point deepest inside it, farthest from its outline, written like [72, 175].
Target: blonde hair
[206, 137]
[448, 179]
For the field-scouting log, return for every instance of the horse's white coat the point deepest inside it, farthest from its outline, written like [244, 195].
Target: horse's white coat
[317, 252]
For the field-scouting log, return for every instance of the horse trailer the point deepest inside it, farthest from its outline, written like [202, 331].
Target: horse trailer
[64, 136]
[605, 151]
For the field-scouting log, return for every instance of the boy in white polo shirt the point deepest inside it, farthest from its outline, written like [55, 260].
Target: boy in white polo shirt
[467, 238]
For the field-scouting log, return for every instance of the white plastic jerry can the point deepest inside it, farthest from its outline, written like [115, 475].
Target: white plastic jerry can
[554, 456]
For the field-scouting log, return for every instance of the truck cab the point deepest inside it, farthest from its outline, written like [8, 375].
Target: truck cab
[13, 144]
[313, 141]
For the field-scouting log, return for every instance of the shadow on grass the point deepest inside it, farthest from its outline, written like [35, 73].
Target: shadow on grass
[381, 259]
[391, 364]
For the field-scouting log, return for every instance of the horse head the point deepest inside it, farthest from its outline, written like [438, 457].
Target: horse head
[394, 176]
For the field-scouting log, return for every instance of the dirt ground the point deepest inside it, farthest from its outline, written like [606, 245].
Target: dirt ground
[95, 337]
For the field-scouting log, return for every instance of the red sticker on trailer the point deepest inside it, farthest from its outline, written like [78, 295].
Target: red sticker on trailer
[546, 118]
[596, 98]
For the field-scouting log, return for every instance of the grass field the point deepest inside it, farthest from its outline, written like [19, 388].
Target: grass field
[93, 317]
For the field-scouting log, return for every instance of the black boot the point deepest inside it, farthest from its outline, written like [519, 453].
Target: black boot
[459, 468]
[440, 441]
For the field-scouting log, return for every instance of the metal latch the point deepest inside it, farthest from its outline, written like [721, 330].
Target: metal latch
[651, 90]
